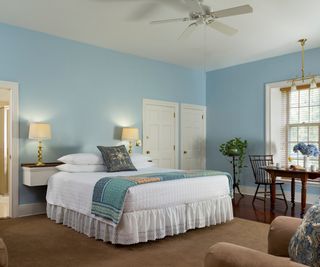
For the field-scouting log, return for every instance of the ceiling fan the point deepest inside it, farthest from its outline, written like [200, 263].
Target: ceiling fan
[203, 14]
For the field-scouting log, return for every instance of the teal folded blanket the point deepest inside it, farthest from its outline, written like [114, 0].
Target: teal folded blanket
[110, 192]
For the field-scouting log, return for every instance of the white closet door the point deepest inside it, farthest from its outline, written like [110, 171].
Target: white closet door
[193, 137]
[160, 132]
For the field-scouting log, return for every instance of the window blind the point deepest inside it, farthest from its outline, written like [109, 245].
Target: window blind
[300, 122]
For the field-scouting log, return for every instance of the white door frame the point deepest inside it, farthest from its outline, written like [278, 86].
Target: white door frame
[204, 110]
[176, 136]
[13, 147]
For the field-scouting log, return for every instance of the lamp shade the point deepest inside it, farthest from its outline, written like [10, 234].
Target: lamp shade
[293, 86]
[130, 134]
[39, 131]
[313, 84]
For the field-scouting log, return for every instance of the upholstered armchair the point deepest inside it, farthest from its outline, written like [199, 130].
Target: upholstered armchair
[280, 232]
[3, 254]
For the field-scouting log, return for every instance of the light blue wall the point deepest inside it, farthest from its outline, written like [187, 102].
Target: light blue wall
[236, 103]
[85, 92]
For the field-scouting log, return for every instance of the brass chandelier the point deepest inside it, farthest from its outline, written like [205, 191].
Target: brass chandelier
[310, 79]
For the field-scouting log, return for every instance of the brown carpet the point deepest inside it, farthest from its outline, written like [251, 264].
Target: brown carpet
[37, 241]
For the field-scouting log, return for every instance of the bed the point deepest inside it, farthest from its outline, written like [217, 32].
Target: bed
[151, 211]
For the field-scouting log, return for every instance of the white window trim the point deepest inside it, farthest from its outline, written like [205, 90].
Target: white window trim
[270, 90]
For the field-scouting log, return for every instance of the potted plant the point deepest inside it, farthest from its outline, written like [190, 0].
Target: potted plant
[306, 151]
[235, 148]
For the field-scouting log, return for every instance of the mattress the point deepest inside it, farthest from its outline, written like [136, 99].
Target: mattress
[74, 191]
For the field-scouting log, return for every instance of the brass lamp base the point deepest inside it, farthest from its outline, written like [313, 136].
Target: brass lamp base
[40, 162]
[130, 148]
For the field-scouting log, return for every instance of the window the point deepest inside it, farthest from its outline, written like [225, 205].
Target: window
[291, 117]
[302, 122]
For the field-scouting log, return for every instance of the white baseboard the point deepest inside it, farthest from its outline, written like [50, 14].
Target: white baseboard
[31, 209]
[311, 198]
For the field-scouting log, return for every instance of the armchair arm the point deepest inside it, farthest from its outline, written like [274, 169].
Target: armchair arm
[229, 255]
[281, 230]
[3, 254]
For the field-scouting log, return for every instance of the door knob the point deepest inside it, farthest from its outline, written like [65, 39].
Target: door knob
[148, 152]
[185, 152]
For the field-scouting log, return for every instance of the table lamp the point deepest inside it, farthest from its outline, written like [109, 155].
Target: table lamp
[131, 135]
[40, 132]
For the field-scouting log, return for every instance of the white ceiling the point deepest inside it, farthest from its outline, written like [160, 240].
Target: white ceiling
[123, 25]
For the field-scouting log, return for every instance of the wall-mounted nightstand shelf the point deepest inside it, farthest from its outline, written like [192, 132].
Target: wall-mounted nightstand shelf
[34, 175]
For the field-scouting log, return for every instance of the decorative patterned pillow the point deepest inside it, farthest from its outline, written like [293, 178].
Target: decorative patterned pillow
[304, 246]
[116, 158]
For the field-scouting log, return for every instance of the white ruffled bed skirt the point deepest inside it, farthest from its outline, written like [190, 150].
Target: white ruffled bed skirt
[145, 225]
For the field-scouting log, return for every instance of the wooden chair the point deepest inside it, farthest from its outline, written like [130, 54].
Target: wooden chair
[262, 177]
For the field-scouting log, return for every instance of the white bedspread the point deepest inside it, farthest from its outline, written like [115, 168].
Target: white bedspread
[74, 190]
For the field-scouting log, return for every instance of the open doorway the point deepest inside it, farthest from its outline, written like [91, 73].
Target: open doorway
[5, 135]
[9, 149]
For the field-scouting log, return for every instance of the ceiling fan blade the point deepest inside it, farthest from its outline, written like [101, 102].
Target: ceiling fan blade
[195, 5]
[223, 28]
[188, 31]
[170, 20]
[239, 10]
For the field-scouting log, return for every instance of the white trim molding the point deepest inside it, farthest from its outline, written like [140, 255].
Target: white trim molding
[13, 146]
[273, 109]
[272, 119]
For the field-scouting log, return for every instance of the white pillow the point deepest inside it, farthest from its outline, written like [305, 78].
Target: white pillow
[140, 157]
[82, 159]
[141, 161]
[143, 165]
[81, 168]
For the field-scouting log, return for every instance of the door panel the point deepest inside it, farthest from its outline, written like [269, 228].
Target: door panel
[193, 122]
[159, 132]
[153, 143]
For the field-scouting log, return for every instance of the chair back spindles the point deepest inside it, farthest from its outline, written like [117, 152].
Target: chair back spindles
[258, 161]
[262, 177]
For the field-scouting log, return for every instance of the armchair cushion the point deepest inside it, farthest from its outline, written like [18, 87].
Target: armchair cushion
[230, 255]
[3, 254]
[304, 246]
